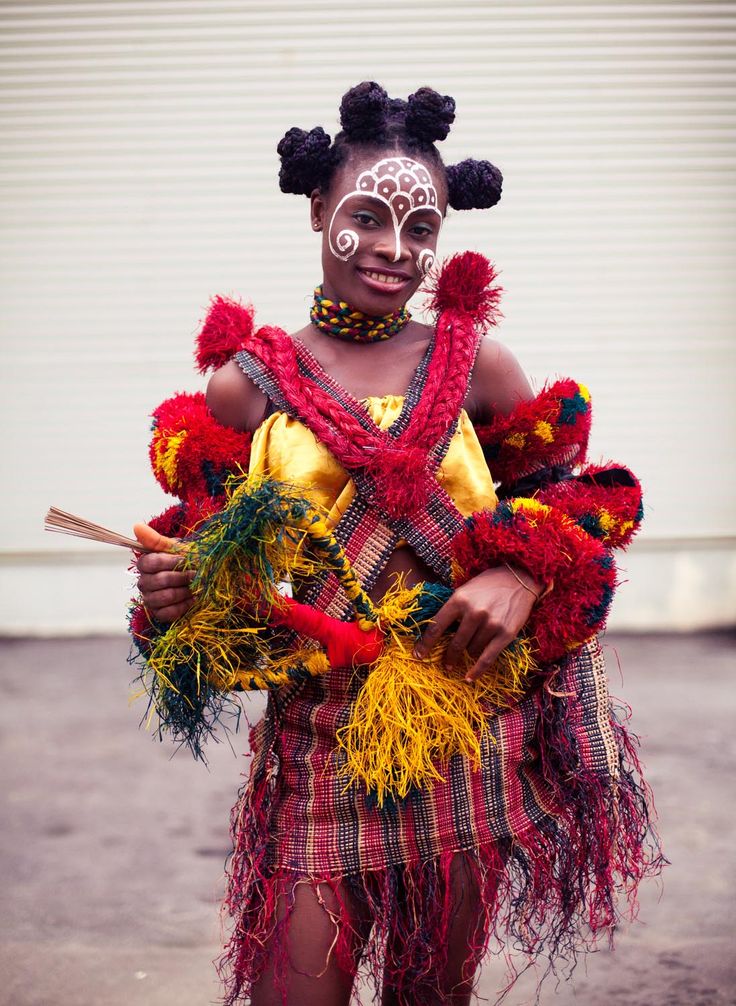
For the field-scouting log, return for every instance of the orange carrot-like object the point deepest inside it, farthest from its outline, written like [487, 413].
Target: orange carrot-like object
[154, 541]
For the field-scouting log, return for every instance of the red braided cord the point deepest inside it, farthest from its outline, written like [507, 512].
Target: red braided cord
[447, 381]
[344, 436]
[342, 433]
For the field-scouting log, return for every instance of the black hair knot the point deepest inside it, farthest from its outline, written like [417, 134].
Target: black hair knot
[473, 185]
[429, 115]
[364, 111]
[307, 160]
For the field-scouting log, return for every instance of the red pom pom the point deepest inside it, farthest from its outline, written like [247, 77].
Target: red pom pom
[404, 482]
[191, 453]
[226, 329]
[464, 285]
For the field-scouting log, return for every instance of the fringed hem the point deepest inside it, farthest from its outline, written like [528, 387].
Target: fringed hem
[547, 894]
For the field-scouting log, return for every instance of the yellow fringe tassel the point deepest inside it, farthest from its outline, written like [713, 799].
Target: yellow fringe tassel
[411, 715]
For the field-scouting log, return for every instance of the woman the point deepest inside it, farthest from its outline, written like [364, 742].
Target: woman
[379, 419]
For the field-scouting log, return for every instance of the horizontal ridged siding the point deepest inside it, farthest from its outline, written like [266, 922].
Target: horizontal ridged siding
[138, 177]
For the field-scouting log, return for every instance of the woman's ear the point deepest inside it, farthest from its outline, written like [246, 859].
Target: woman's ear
[317, 211]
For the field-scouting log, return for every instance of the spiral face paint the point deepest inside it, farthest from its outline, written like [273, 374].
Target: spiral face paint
[401, 184]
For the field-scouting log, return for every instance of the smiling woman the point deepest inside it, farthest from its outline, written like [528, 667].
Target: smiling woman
[439, 771]
[396, 196]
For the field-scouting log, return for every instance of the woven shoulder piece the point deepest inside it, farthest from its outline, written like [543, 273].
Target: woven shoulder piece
[192, 454]
[545, 432]
[577, 569]
[605, 500]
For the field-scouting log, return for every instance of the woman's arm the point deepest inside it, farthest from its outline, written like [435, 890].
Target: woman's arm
[557, 520]
[234, 400]
[498, 383]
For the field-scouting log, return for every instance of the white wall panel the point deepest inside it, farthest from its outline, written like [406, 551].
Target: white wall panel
[138, 178]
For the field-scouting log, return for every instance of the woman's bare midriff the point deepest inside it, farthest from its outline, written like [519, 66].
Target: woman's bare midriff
[404, 561]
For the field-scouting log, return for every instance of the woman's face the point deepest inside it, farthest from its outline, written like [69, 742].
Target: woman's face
[380, 221]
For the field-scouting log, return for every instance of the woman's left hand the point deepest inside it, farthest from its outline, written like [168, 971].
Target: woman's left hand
[491, 609]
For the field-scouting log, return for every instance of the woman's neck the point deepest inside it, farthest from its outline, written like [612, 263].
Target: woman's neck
[370, 370]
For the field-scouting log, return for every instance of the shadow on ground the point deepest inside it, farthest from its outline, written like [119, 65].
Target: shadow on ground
[112, 847]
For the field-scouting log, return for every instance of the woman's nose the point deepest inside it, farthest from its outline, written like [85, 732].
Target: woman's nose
[390, 246]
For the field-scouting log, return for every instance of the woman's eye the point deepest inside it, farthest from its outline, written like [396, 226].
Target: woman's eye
[421, 230]
[365, 218]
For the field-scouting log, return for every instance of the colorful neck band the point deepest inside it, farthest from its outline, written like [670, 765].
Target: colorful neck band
[342, 322]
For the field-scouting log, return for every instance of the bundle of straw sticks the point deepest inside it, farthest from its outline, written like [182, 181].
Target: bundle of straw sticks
[68, 523]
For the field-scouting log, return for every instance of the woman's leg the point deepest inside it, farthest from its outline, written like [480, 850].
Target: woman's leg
[459, 954]
[306, 965]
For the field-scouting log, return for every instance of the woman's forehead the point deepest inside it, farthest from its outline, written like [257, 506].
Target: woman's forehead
[384, 174]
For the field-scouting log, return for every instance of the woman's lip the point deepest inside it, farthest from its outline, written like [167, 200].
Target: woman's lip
[379, 285]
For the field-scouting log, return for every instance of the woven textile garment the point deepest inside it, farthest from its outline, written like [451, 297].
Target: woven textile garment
[554, 821]
[317, 822]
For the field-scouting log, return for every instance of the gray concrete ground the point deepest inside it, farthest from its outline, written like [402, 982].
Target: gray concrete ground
[112, 850]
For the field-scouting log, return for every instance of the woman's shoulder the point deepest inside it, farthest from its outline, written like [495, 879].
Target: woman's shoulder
[234, 400]
[498, 382]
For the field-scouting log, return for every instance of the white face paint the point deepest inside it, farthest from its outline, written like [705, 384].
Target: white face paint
[426, 261]
[403, 185]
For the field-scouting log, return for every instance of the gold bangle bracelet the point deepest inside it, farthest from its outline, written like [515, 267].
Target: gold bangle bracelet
[537, 597]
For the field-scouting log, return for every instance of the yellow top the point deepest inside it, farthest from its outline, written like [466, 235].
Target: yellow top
[286, 450]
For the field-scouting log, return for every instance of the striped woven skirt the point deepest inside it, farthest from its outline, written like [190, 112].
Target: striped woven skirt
[554, 825]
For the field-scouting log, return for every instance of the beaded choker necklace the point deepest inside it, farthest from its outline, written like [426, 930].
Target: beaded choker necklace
[342, 322]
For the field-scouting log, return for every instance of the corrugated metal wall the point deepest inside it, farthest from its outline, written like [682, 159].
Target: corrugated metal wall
[138, 178]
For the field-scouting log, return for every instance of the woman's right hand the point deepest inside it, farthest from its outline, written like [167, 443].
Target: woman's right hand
[163, 586]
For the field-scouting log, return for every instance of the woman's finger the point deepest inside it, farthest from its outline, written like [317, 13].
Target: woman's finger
[166, 578]
[165, 598]
[171, 612]
[485, 633]
[154, 540]
[466, 631]
[489, 656]
[156, 562]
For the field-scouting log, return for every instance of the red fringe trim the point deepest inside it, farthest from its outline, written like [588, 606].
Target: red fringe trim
[551, 429]
[200, 452]
[549, 893]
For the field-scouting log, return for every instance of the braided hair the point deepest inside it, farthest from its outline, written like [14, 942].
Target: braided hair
[371, 120]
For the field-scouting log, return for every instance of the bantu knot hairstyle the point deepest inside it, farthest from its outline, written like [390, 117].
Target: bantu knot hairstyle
[364, 113]
[473, 185]
[429, 115]
[307, 160]
[370, 119]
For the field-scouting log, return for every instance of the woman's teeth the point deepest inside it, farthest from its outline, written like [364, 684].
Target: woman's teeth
[381, 277]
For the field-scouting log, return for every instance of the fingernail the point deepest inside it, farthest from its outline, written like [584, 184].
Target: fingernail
[419, 652]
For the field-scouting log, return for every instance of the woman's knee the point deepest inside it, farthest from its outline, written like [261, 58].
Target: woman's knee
[314, 949]
[455, 918]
